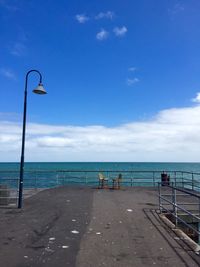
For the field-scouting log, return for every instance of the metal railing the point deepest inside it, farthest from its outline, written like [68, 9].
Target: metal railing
[182, 206]
[44, 178]
[34, 179]
[8, 194]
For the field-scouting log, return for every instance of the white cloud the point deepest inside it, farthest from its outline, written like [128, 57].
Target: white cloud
[197, 98]
[10, 116]
[172, 135]
[131, 82]
[120, 32]
[9, 5]
[175, 9]
[18, 49]
[102, 35]
[9, 74]
[132, 69]
[107, 15]
[81, 18]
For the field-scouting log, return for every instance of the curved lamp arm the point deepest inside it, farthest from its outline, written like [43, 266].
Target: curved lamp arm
[27, 74]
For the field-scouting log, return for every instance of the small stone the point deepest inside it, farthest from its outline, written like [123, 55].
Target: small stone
[75, 232]
[129, 210]
[176, 238]
[65, 246]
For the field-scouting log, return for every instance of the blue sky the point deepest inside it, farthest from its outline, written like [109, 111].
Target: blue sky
[108, 66]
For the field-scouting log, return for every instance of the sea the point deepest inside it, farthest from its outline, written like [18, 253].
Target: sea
[103, 166]
[49, 174]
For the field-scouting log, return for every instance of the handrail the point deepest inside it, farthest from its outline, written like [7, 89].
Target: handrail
[176, 207]
[184, 191]
[52, 178]
[100, 170]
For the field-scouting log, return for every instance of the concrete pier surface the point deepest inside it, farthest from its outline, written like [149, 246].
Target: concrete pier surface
[83, 227]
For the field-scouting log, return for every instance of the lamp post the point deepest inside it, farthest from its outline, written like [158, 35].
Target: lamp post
[39, 90]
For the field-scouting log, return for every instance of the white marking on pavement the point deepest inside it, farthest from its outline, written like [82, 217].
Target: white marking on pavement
[129, 210]
[75, 232]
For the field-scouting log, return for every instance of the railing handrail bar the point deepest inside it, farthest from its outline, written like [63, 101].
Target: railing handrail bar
[183, 190]
[178, 218]
[101, 170]
[180, 208]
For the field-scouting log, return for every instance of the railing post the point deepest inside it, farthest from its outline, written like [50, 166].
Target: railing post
[57, 175]
[132, 179]
[174, 199]
[199, 224]
[35, 180]
[182, 180]
[199, 209]
[154, 184]
[175, 178]
[159, 192]
[192, 181]
[85, 177]
[62, 178]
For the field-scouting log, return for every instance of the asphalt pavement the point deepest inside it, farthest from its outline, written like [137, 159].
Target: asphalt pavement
[83, 227]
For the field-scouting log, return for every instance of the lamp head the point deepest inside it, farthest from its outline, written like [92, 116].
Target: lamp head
[40, 90]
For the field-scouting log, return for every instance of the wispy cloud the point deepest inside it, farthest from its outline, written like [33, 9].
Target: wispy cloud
[9, 5]
[120, 32]
[102, 35]
[107, 15]
[9, 74]
[132, 69]
[171, 135]
[131, 82]
[197, 98]
[18, 49]
[176, 8]
[81, 18]
[9, 116]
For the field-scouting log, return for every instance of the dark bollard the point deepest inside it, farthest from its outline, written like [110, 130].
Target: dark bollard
[165, 179]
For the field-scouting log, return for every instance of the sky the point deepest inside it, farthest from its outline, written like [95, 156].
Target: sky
[122, 80]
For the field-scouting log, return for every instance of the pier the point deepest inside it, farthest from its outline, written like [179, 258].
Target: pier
[85, 226]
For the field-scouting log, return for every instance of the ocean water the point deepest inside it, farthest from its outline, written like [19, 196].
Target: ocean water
[50, 174]
[103, 166]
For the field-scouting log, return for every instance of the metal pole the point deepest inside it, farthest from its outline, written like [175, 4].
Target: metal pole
[192, 182]
[175, 178]
[199, 225]
[159, 192]
[182, 180]
[132, 177]
[21, 176]
[175, 205]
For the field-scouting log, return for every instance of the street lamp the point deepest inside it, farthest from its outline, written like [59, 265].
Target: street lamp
[39, 90]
